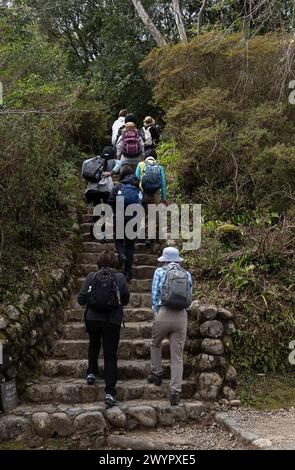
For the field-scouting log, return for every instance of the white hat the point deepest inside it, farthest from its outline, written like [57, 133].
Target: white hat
[170, 255]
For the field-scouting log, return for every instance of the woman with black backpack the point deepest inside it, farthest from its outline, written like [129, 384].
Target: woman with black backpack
[104, 293]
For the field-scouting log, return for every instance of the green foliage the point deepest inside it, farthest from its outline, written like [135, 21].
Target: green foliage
[230, 234]
[168, 156]
[50, 118]
[255, 281]
[267, 391]
[233, 132]
[236, 140]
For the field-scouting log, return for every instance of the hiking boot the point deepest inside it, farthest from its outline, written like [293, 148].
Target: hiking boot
[110, 401]
[174, 398]
[155, 379]
[122, 260]
[91, 379]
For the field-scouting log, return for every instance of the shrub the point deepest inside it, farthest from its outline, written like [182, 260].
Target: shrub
[235, 134]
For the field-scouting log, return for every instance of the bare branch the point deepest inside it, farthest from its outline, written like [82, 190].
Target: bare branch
[200, 16]
[148, 22]
[179, 21]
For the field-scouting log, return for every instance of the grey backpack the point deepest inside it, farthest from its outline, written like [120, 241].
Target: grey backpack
[176, 289]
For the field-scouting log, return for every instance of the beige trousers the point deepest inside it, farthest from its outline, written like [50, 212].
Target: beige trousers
[173, 325]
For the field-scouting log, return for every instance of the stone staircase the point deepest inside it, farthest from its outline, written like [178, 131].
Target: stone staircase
[63, 379]
[55, 402]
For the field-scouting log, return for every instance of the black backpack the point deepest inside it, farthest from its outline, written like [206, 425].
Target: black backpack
[103, 294]
[93, 169]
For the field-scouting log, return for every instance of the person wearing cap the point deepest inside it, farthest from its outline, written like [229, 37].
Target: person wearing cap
[131, 161]
[99, 192]
[168, 323]
[120, 122]
[151, 136]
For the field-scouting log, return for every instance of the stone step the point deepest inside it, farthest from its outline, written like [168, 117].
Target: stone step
[136, 300]
[130, 315]
[136, 285]
[127, 370]
[96, 247]
[88, 425]
[86, 218]
[128, 349]
[64, 390]
[73, 331]
[139, 259]
[86, 237]
[86, 226]
[140, 272]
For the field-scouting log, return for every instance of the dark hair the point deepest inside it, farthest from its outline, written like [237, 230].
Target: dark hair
[123, 112]
[126, 171]
[108, 153]
[107, 259]
[130, 118]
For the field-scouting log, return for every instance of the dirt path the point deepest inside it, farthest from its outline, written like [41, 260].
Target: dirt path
[277, 426]
[205, 436]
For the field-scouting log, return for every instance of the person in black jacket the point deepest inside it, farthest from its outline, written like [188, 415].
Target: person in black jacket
[124, 246]
[104, 327]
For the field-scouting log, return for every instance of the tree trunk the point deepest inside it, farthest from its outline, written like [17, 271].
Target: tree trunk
[147, 21]
[200, 16]
[179, 22]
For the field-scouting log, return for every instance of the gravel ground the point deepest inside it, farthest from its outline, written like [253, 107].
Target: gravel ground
[278, 426]
[205, 436]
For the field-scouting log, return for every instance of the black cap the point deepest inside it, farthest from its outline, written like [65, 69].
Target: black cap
[130, 118]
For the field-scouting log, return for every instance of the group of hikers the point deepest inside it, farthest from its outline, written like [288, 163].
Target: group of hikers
[132, 156]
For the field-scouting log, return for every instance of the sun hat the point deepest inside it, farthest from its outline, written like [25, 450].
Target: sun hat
[170, 255]
[149, 121]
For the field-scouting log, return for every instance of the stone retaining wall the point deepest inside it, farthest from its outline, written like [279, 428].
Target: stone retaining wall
[209, 348]
[29, 328]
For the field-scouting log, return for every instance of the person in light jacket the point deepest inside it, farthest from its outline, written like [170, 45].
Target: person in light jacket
[168, 323]
[131, 161]
[118, 124]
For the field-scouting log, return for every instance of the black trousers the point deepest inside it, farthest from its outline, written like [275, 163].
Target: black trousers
[96, 197]
[126, 247]
[109, 335]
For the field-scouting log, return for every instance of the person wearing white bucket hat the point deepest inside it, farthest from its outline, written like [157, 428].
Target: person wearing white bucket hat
[171, 296]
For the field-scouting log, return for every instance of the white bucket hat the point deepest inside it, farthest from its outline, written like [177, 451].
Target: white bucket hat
[170, 255]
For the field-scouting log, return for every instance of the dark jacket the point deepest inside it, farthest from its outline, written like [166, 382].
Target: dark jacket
[130, 179]
[114, 317]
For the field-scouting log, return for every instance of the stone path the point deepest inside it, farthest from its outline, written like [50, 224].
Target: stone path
[276, 428]
[201, 436]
